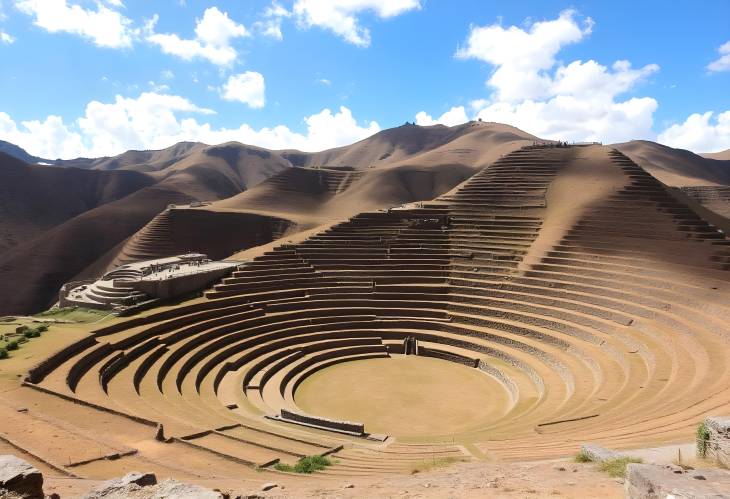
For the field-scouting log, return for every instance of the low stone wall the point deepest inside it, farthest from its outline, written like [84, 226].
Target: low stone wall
[346, 426]
[717, 444]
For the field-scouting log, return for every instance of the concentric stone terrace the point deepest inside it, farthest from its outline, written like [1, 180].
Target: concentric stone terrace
[601, 314]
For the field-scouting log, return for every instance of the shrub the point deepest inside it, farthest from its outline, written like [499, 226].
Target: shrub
[582, 457]
[3, 353]
[12, 345]
[308, 464]
[616, 467]
[703, 435]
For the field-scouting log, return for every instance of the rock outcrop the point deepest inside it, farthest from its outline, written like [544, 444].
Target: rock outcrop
[717, 445]
[648, 481]
[19, 478]
[598, 454]
[144, 486]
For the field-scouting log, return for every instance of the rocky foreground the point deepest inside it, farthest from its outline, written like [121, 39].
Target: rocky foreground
[19, 479]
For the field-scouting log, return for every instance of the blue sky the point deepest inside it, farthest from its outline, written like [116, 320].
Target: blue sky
[88, 77]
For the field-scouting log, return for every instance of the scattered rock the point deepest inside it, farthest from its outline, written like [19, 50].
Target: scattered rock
[144, 486]
[130, 482]
[20, 477]
[598, 454]
[349, 486]
[178, 490]
[268, 486]
[649, 481]
[559, 468]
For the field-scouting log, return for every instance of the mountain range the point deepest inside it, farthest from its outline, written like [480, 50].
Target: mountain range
[65, 220]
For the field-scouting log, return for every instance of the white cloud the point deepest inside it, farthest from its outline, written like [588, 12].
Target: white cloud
[522, 57]
[325, 82]
[158, 87]
[214, 34]
[723, 62]
[167, 74]
[6, 38]
[341, 16]
[454, 116]
[247, 87]
[271, 24]
[700, 133]
[104, 26]
[49, 139]
[533, 91]
[155, 121]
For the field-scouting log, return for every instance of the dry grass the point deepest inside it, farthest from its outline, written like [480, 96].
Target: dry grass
[616, 468]
[434, 464]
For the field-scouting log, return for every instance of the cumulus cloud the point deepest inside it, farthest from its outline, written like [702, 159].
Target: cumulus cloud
[454, 116]
[272, 18]
[341, 16]
[700, 133]
[104, 26]
[50, 138]
[6, 38]
[722, 63]
[522, 57]
[214, 34]
[156, 121]
[533, 91]
[247, 87]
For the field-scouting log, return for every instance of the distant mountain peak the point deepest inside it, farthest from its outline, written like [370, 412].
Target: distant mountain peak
[21, 154]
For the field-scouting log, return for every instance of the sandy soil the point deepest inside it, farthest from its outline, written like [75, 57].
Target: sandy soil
[405, 396]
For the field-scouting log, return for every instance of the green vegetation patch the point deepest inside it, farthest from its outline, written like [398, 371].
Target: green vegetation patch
[12, 341]
[703, 435]
[74, 314]
[308, 464]
[582, 457]
[616, 467]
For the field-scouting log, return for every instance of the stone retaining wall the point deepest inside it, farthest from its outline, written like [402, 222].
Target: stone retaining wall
[356, 428]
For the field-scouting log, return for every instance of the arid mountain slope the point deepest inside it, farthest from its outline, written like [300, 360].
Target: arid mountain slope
[400, 165]
[65, 222]
[35, 198]
[722, 155]
[406, 142]
[107, 212]
[20, 153]
[676, 167]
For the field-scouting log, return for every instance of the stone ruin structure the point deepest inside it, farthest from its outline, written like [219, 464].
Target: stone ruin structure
[143, 284]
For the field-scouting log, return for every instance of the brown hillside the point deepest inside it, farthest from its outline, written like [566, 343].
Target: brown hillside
[36, 198]
[86, 230]
[676, 167]
[722, 155]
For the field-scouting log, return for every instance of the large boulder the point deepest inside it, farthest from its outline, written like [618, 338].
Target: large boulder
[650, 481]
[598, 454]
[20, 478]
[128, 483]
[144, 486]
